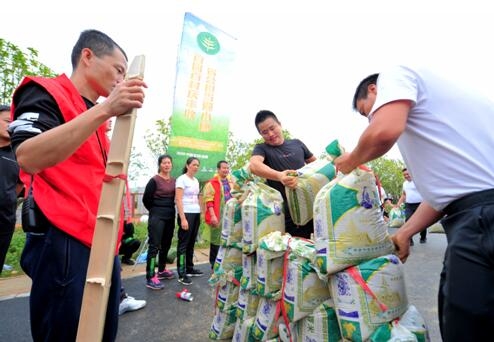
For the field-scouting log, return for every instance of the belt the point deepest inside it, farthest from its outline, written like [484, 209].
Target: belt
[470, 200]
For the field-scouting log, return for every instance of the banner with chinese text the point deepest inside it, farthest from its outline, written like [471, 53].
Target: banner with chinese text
[202, 103]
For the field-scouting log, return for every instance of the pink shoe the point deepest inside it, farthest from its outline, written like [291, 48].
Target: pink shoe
[165, 275]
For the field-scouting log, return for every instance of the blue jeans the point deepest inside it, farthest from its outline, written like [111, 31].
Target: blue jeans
[57, 265]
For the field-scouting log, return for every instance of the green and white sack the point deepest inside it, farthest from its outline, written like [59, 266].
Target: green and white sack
[396, 218]
[348, 224]
[311, 178]
[262, 213]
[320, 325]
[231, 229]
[227, 259]
[304, 291]
[369, 295]
[243, 330]
[223, 324]
[266, 321]
[249, 275]
[248, 302]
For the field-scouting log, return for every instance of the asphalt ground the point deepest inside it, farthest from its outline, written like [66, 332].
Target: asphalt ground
[166, 318]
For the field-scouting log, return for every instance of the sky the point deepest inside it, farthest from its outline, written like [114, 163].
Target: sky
[300, 59]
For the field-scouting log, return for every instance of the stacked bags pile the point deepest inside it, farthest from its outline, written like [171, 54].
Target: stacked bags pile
[345, 285]
[354, 252]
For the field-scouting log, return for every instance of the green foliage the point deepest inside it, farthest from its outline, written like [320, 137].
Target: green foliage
[136, 165]
[238, 152]
[389, 173]
[157, 140]
[14, 65]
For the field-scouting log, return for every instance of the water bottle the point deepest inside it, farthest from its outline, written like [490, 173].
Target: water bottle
[185, 295]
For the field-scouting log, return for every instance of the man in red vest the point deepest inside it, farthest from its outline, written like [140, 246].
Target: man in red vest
[216, 192]
[58, 135]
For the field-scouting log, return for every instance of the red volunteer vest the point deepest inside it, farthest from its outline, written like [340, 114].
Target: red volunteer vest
[69, 192]
[215, 182]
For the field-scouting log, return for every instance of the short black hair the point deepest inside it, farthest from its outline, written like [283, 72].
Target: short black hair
[218, 164]
[161, 157]
[4, 108]
[404, 169]
[363, 89]
[100, 43]
[262, 115]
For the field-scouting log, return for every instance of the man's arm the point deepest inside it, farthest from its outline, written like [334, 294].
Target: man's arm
[311, 159]
[385, 128]
[402, 199]
[260, 169]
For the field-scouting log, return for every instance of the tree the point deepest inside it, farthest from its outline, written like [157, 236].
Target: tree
[238, 152]
[389, 173]
[157, 140]
[14, 65]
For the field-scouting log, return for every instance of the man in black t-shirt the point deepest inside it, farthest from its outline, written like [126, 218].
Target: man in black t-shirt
[10, 185]
[276, 159]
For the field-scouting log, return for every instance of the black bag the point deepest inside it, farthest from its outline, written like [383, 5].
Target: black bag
[28, 214]
[32, 218]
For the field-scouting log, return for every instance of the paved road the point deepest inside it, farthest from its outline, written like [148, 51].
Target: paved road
[166, 318]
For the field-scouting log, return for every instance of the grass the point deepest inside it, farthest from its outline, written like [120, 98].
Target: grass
[17, 244]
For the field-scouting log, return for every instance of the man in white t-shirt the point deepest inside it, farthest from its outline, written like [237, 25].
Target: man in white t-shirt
[444, 131]
[411, 197]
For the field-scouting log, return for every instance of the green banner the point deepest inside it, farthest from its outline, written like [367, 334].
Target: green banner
[202, 103]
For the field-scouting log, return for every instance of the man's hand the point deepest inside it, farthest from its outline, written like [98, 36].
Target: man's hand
[288, 178]
[214, 221]
[125, 96]
[402, 245]
[344, 163]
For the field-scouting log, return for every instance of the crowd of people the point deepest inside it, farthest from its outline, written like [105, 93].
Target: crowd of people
[444, 139]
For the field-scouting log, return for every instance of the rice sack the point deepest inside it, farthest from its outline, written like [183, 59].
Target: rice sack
[262, 213]
[369, 295]
[348, 224]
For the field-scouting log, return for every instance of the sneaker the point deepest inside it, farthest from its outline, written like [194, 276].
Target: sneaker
[128, 261]
[166, 274]
[185, 280]
[194, 273]
[154, 284]
[130, 304]
[424, 240]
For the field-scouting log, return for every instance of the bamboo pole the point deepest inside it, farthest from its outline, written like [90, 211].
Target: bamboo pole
[98, 278]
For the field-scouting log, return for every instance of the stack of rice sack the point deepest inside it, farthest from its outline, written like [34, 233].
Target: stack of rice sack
[227, 272]
[308, 312]
[311, 178]
[258, 211]
[353, 251]
[293, 302]
[228, 266]
[258, 303]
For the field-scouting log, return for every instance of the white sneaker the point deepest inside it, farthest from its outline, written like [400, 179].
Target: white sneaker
[130, 304]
